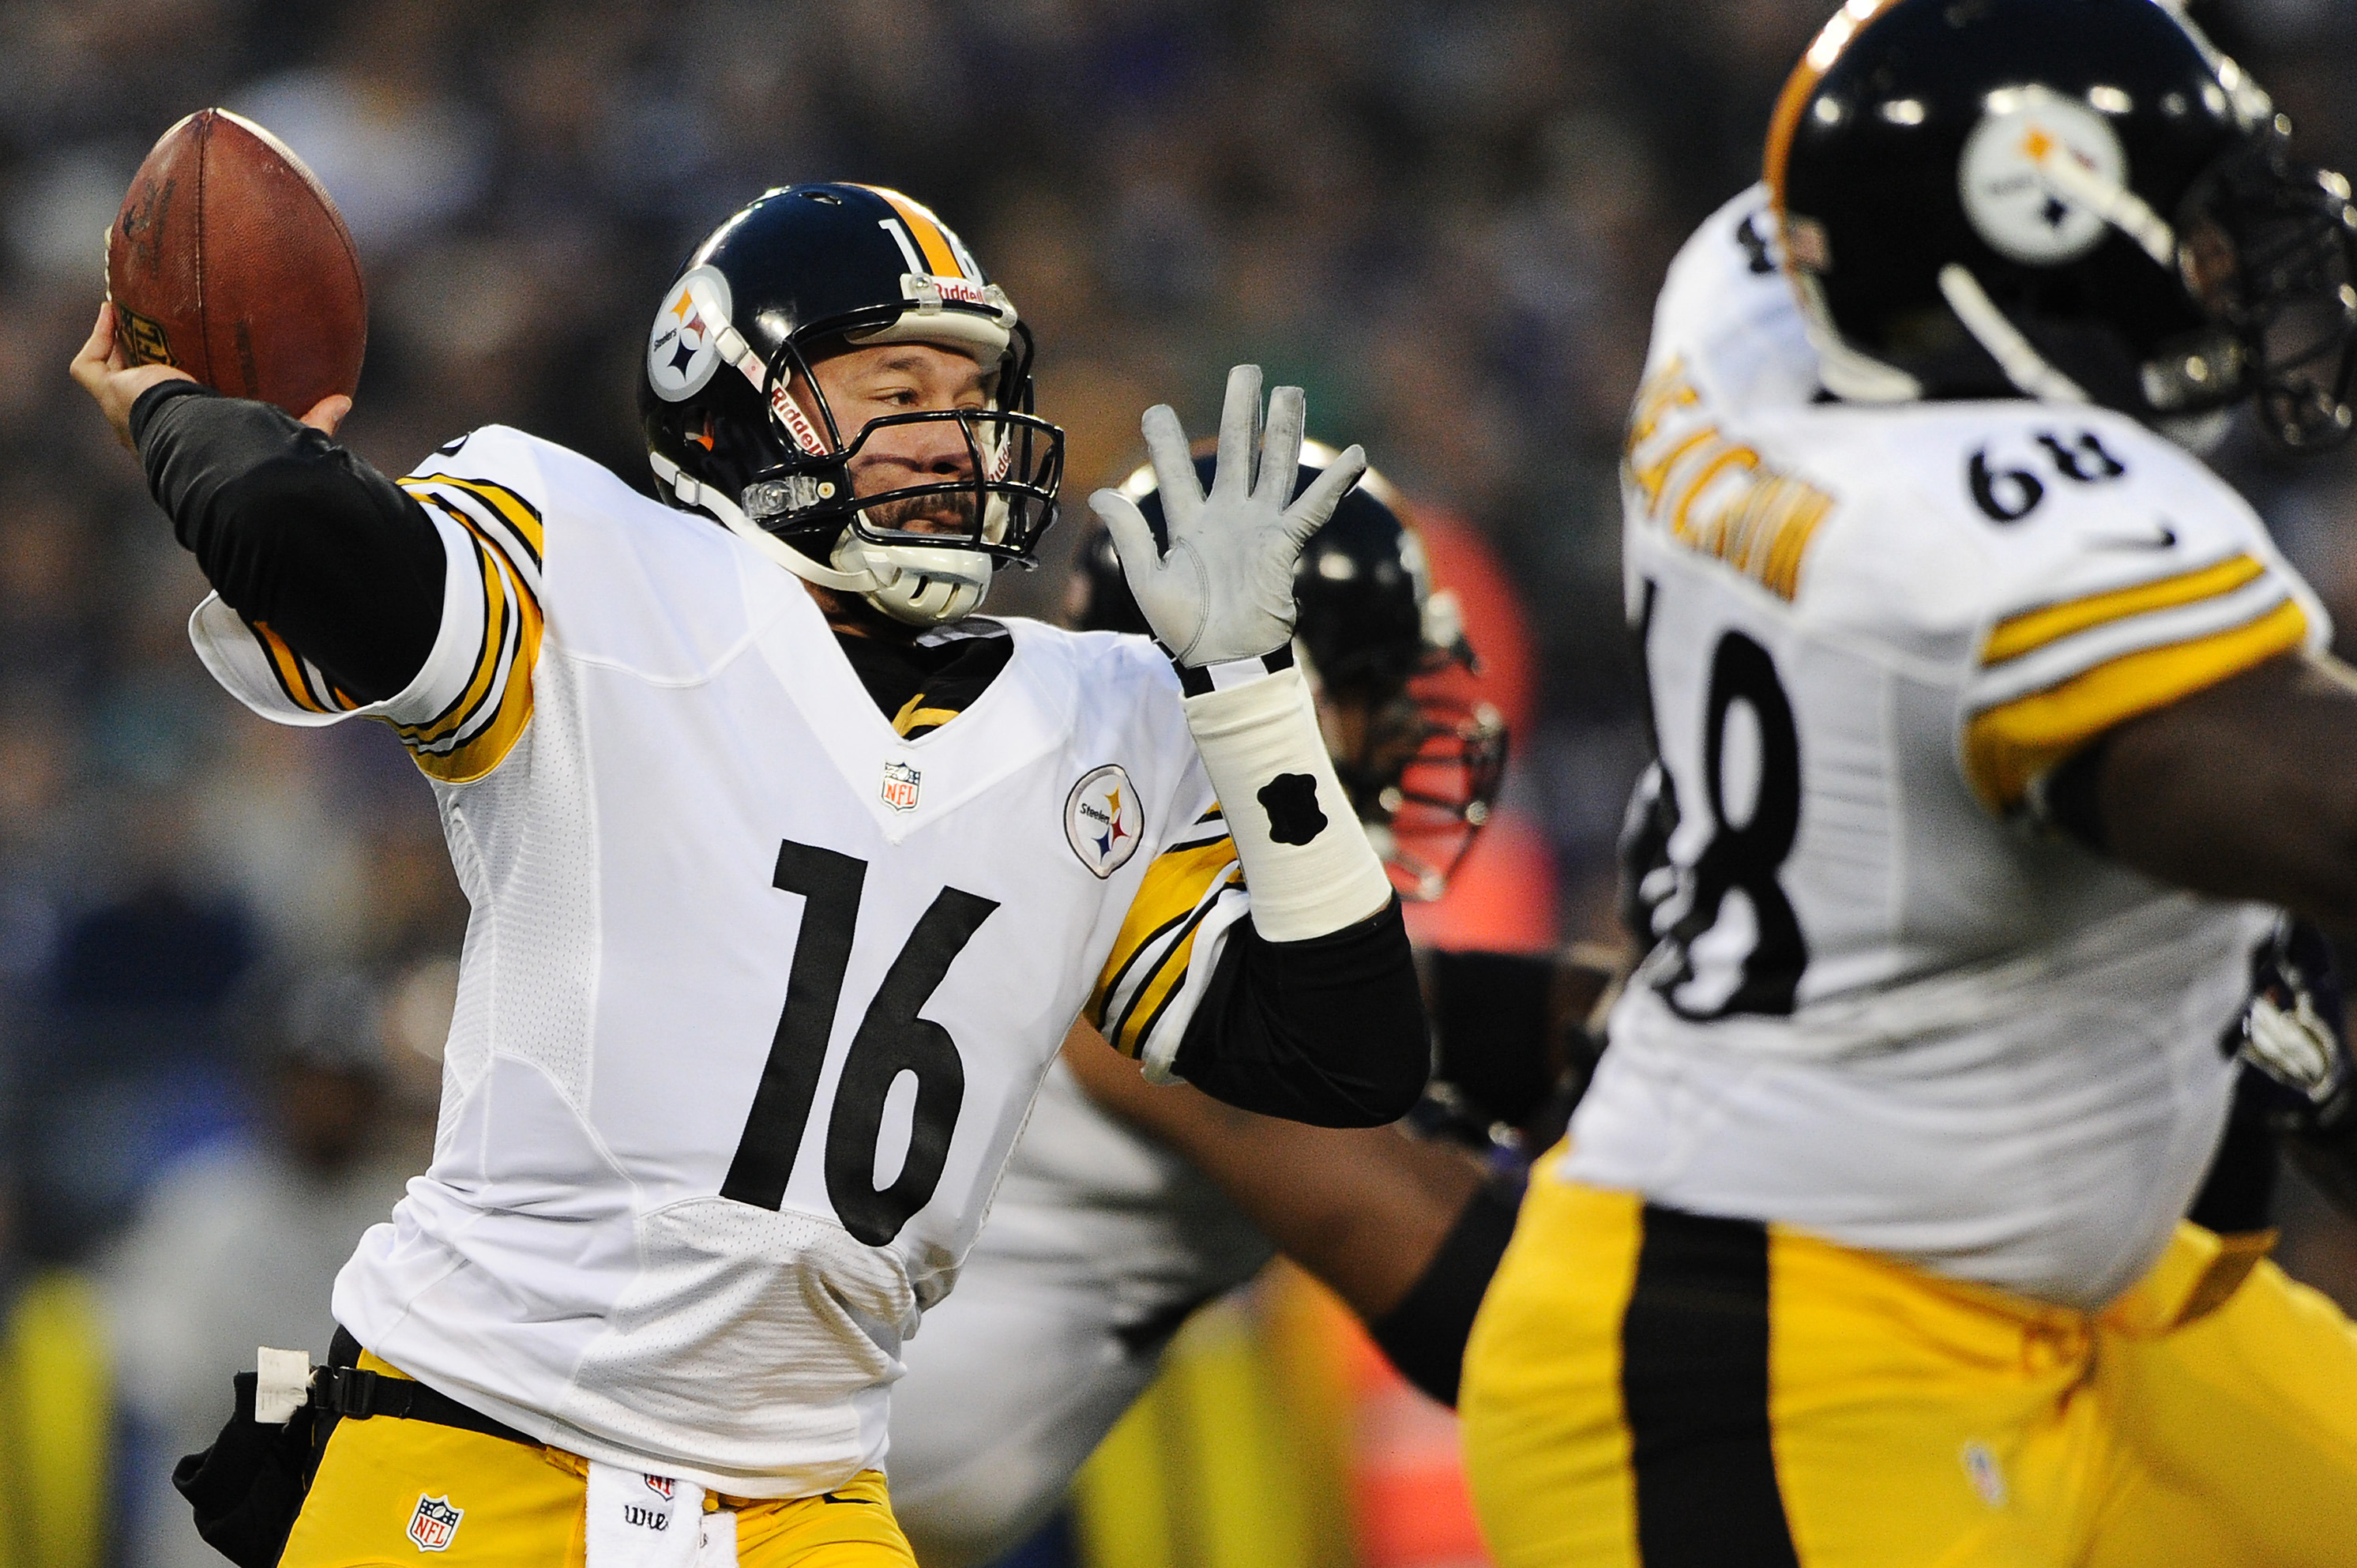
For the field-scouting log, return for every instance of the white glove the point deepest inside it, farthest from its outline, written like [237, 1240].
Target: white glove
[1224, 590]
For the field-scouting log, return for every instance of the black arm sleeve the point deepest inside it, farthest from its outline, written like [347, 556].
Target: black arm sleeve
[294, 531]
[1494, 1015]
[1328, 1031]
[1425, 1335]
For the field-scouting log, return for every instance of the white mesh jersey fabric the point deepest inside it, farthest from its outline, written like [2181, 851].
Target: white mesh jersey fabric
[1099, 1242]
[676, 1220]
[1907, 1021]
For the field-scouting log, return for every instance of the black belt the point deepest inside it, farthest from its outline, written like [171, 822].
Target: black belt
[344, 1388]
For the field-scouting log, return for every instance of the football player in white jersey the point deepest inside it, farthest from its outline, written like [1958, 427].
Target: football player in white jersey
[788, 875]
[1989, 724]
[1125, 1206]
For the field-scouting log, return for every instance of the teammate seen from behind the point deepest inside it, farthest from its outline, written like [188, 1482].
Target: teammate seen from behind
[1990, 726]
[1126, 1206]
[789, 875]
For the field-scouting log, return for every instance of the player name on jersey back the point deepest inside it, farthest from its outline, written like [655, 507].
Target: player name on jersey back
[1880, 1003]
[756, 990]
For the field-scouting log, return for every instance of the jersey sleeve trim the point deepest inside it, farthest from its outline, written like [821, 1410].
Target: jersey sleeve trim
[301, 681]
[499, 509]
[469, 703]
[487, 700]
[1155, 949]
[255, 663]
[2025, 633]
[2008, 744]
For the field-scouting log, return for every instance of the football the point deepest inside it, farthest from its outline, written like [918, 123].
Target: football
[228, 262]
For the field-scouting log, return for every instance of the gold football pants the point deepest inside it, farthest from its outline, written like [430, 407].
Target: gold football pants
[523, 1507]
[1650, 1388]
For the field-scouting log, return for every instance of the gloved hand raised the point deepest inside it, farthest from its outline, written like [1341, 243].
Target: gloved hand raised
[1222, 589]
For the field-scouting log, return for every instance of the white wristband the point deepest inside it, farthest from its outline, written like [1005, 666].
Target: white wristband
[1306, 862]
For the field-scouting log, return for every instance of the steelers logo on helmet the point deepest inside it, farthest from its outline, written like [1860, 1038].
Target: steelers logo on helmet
[1102, 819]
[682, 347]
[2028, 171]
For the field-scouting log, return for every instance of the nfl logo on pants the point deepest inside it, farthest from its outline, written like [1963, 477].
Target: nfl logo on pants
[433, 1523]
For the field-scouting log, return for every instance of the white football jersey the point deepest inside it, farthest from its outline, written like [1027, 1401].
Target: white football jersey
[1882, 1006]
[757, 990]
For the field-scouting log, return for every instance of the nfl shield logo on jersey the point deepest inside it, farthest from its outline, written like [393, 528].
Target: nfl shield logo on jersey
[900, 782]
[1102, 819]
[433, 1523]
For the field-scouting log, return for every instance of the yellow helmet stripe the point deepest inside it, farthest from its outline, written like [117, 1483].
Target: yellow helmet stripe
[926, 230]
[1827, 48]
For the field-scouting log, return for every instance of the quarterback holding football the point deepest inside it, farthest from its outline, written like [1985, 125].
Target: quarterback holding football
[789, 873]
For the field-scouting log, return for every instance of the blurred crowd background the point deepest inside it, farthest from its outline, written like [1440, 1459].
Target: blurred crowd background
[226, 950]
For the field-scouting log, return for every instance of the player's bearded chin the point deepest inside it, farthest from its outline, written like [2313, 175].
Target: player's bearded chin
[948, 515]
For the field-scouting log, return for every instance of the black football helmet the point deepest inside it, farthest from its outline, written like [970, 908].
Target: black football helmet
[1424, 763]
[2079, 200]
[811, 267]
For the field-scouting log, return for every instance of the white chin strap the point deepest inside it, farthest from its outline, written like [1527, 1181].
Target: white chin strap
[913, 584]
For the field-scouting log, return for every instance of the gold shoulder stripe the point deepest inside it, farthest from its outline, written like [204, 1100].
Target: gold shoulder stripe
[514, 510]
[2033, 630]
[1154, 994]
[2010, 745]
[287, 667]
[1174, 884]
[488, 655]
[488, 747]
[501, 680]
[927, 232]
[1151, 994]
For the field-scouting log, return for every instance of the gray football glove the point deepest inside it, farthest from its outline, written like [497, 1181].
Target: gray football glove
[1223, 589]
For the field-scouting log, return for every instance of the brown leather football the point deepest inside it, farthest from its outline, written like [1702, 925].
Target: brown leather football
[230, 262]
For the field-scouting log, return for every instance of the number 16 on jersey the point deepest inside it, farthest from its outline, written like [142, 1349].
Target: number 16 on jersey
[891, 1040]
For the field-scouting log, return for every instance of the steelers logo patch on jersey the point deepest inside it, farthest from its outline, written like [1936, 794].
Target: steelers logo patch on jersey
[682, 351]
[1102, 819]
[2038, 174]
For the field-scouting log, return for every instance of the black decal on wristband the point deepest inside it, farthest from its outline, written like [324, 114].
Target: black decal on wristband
[1291, 802]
